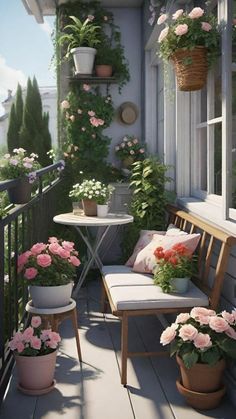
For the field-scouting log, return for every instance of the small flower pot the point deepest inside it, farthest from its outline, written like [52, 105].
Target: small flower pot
[21, 193]
[180, 285]
[103, 70]
[84, 59]
[50, 297]
[90, 207]
[127, 162]
[35, 373]
[102, 210]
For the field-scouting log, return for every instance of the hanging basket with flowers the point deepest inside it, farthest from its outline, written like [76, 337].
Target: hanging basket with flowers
[190, 41]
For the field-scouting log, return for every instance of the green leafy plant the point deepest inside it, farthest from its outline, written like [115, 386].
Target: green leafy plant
[187, 31]
[174, 263]
[19, 164]
[202, 336]
[81, 34]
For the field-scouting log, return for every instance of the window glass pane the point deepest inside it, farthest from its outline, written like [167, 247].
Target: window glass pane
[218, 102]
[234, 138]
[217, 159]
[203, 159]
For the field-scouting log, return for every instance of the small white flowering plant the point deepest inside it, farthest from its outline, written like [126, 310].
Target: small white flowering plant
[130, 146]
[202, 336]
[187, 31]
[18, 164]
[92, 190]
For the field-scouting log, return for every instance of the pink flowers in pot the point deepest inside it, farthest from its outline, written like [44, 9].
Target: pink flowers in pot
[34, 341]
[18, 164]
[49, 264]
[202, 336]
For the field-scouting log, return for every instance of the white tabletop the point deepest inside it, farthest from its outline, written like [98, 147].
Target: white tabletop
[82, 220]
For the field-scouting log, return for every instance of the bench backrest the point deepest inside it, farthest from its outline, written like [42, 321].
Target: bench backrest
[213, 251]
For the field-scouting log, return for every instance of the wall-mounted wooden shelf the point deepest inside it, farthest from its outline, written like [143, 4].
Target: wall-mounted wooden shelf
[92, 79]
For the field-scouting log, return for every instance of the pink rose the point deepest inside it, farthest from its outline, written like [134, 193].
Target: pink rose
[218, 324]
[20, 347]
[91, 113]
[234, 314]
[177, 14]
[188, 332]
[27, 334]
[65, 104]
[182, 318]
[196, 13]
[37, 248]
[229, 317]
[72, 118]
[44, 260]
[231, 333]
[206, 26]
[17, 338]
[161, 19]
[54, 248]
[30, 273]
[45, 335]
[74, 260]
[23, 258]
[202, 341]
[68, 245]
[203, 319]
[168, 335]
[94, 121]
[163, 34]
[36, 321]
[201, 311]
[79, 111]
[181, 29]
[86, 87]
[35, 342]
[100, 121]
[63, 253]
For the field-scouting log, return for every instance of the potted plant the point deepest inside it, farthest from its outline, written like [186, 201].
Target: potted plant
[202, 340]
[48, 269]
[104, 193]
[174, 268]
[81, 39]
[22, 167]
[104, 60]
[191, 42]
[35, 352]
[129, 150]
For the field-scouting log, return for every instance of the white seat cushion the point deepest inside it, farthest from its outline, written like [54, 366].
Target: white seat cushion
[137, 297]
[119, 275]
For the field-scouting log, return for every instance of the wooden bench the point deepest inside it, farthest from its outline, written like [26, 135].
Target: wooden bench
[132, 294]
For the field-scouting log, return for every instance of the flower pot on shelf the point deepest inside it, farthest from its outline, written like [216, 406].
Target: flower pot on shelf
[103, 70]
[50, 296]
[84, 59]
[21, 193]
[35, 373]
[90, 207]
[200, 381]
[180, 285]
[190, 68]
[102, 210]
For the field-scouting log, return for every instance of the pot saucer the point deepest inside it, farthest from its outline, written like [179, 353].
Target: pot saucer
[31, 392]
[203, 401]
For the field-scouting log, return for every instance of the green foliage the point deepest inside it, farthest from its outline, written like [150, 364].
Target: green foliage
[79, 34]
[203, 336]
[149, 198]
[12, 134]
[18, 164]
[19, 107]
[195, 35]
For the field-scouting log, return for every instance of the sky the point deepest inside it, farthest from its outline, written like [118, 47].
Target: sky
[26, 48]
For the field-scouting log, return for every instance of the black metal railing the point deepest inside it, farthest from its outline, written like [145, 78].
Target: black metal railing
[20, 227]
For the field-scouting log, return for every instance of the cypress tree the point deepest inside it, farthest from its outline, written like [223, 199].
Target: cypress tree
[12, 133]
[47, 139]
[19, 107]
[27, 131]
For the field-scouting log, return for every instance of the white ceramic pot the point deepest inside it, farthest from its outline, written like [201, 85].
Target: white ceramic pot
[180, 285]
[84, 59]
[50, 297]
[102, 210]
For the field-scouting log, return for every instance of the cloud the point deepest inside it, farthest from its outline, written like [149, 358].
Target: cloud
[46, 27]
[9, 77]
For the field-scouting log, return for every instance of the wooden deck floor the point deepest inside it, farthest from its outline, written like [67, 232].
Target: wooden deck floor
[92, 390]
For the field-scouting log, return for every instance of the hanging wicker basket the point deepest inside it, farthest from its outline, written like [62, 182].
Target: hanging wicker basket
[190, 68]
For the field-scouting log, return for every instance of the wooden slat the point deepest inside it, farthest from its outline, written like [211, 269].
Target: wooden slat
[208, 259]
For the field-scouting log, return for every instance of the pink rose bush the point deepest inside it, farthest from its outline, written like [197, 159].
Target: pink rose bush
[202, 336]
[34, 341]
[18, 164]
[49, 264]
[130, 146]
[187, 31]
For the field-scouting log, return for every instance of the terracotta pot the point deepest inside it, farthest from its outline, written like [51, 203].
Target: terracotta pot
[50, 297]
[103, 70]
[127, 162]
[35, 373]
[21, 193]
[90, 207]
[201, 400]
[202, 377]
